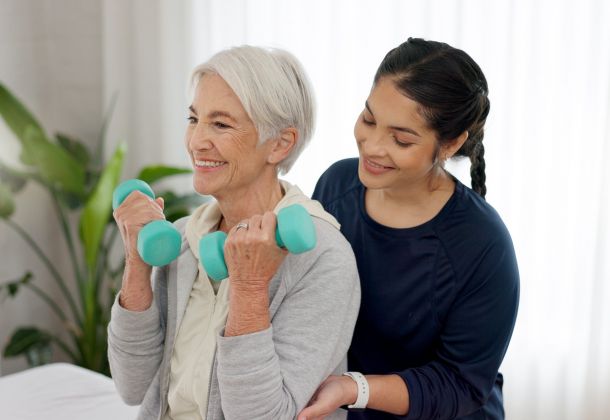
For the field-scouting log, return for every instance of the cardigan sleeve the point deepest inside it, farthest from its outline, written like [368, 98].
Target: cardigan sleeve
[135, 346]
[272, 374]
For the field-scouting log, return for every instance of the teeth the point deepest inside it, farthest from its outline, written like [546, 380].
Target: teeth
[208, 163]
[375, 165]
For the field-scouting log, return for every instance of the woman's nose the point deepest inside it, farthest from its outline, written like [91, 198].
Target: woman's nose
[200, 138]
[373, 143]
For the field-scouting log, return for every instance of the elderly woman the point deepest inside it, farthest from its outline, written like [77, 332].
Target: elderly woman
[257, 344]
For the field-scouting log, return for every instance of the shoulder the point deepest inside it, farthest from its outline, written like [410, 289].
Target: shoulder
[330, 239]
[475, 236]
[332, 259]
[339, 179]
[474, 219]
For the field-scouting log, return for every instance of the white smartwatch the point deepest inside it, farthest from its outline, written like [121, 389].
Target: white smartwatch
[363, 391]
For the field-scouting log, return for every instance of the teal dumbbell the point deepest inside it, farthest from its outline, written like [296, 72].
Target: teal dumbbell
[159, 241]
[295, 232]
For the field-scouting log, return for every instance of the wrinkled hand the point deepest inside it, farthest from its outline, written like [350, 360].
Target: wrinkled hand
[252, 255]
[131, 216]
[334, 392]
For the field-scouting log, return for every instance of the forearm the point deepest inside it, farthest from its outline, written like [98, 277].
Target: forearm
[387, 393]
[248, 310]
[136, 290]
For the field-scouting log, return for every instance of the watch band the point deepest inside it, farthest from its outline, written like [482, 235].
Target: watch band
[363, 390]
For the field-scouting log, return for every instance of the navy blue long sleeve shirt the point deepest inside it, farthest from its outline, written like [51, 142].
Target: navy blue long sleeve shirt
[439, 301]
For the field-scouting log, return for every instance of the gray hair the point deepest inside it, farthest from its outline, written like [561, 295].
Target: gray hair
[273, 89]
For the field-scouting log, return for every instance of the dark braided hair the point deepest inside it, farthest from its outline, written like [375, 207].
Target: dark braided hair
[452, 92]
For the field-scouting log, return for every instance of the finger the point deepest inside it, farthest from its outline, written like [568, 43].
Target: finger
[135, 197]
[310, 412]
[269, 221]
[235, 230]
[161, 202]
[254, 223]
[137, 201]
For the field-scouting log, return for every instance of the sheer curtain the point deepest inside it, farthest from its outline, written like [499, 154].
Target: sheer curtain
[547, 139]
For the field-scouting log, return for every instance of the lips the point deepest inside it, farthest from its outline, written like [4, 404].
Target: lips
[374, 167]
[207, 165]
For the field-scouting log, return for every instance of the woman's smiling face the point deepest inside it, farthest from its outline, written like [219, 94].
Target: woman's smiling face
[222, 140]
[396, 147]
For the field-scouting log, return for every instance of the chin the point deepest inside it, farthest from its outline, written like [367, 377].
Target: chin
[371, 182]
[202, 188]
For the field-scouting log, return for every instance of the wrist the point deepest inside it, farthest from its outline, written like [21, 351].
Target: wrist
[350, 390]
[135, 302]
[363, 392]
[250, 285]
[248, 311]
[136, 291]
[133, 259]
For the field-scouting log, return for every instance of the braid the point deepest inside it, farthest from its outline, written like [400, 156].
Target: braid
[477, 169]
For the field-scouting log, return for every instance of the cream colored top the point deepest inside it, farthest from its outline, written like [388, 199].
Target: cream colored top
[206, 315]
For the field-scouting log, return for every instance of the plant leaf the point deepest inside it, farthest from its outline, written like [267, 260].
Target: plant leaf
[56, 167]
[178, 206]
[7, 204]
[98, 157]
[190, 200]
[12, 287]
[16, 115]
[75, 148]
[13, 178]
[39, 355]
[153, 173]
[24, 339]
[99, 207]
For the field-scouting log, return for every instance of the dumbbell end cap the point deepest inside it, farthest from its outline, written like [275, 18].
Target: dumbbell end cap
[159, 243]
[211, 255]
[295, 229]
[127, 187]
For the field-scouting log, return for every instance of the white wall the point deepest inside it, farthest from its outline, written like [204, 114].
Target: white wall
[50, 57]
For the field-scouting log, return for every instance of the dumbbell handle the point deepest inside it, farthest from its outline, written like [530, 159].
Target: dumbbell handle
[158, 242]
[295, 231]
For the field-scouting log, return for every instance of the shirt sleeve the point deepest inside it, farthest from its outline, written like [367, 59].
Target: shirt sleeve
[473, 341]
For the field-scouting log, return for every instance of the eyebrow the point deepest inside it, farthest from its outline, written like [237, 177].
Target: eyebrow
[214, 114]
[402, 129]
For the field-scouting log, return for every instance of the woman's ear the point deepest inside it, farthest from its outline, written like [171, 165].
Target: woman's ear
[283, 144]
[451, 148]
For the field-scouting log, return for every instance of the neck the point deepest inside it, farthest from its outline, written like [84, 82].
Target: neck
[248, 201]
[418, 192]
[412, 204]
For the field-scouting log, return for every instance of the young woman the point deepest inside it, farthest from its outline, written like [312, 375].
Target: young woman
[439, 277]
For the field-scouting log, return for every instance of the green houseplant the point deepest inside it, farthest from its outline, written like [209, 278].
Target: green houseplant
[80, 184]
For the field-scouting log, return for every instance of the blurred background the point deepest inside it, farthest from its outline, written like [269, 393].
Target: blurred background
[547, 140]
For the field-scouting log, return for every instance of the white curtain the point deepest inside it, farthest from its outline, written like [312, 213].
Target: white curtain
[547, 139]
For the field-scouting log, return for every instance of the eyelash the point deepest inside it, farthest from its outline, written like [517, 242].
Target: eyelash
[221, 125]
[401, 144]
[398, 143]
[366, 122]
[217, 124]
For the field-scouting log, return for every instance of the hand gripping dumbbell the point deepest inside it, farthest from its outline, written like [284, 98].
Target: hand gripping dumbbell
[159, 241]
[295, 232]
